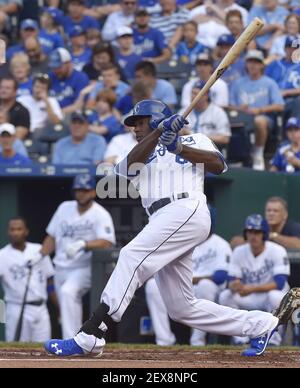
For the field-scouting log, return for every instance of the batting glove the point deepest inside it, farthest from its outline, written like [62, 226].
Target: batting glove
[175, 147]
[73, 248]
[173, 124]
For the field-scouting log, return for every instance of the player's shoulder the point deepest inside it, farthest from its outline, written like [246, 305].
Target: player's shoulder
[100, 209]
[241, 249]
[67, 206]
[275, 248]
[6, 249]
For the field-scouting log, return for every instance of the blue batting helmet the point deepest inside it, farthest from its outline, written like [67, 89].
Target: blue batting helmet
[257, 222]
[156, 110]
[84, 182]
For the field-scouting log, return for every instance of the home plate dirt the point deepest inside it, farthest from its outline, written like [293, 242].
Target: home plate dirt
[137, 356]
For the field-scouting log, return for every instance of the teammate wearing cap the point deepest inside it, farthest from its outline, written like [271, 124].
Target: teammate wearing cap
[76, 228]
[287, 156]
[209, 119]
[16, 259]
[258, 272]
[169, 171]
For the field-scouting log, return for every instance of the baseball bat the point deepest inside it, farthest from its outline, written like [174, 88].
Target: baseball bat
[20, 320]
[239, 46]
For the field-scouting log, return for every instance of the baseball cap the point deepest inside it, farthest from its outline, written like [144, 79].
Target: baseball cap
[141, 12]
[226, 40]
[80, 116]
[58, 57]
[292, 41]
[293, 122]
[84, 182]
[7, 127]
[256, 55]
[76, 31]
[204, 57]
[55, 13]
[29, 24]
[124, 31]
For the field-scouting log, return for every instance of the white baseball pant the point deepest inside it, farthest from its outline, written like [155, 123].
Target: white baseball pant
[36, 325]
[164, 247]
[265, 301]
[159, 315]
[70, 286]
[208, 290]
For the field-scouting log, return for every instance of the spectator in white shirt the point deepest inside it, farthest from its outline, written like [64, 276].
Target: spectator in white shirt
[115, 20]
[209, 119]
[42, 108]
[218, 92]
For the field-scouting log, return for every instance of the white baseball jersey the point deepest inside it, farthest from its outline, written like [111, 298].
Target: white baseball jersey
[212, 121]
[68, 225]
[166, 174]
[212, 255]
[261, 269]
[120, 146]
[14, 274]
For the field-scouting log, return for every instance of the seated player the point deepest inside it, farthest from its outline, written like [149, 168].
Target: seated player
[258, 273]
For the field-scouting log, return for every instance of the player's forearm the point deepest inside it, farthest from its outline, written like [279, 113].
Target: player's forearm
[212, 162]
[143, 150]
[48, 246]
[264, 287]
[98, 244]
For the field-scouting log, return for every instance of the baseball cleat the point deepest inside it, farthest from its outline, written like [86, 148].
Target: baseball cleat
[289, 303]
[63, 348]
[258, 345]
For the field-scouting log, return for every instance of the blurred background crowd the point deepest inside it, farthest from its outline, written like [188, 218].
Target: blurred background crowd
[75, 68]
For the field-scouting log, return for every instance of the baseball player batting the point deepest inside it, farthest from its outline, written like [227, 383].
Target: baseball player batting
[168, 171]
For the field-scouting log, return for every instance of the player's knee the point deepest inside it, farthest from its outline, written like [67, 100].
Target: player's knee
[225, 298]
[275, 297]
[206, 289]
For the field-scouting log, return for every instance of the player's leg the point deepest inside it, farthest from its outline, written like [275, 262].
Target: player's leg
[41, 326]
[76, 284]
[205, 289]
[274, 298]
[12, 316]
[172, 231]
[176, 288]
[159, 315]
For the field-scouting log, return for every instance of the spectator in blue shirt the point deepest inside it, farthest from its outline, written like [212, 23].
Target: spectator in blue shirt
[103, 120]
[161, 89]
[81, 147]
[77, 17]
[149, 42]
[111, 79]
[273, 16]
[8, 155]
[28, 28]
[237, 69]
[189, 49]
[260, 97]
[50, 36]
[287, 156]
[81, 54]
[286, 73]
[126, 57]
[20, 70]
[66, 83]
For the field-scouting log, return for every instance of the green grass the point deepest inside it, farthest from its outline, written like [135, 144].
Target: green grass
[149, 347]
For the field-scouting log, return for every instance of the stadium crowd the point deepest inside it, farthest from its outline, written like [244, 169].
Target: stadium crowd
[75, 68]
